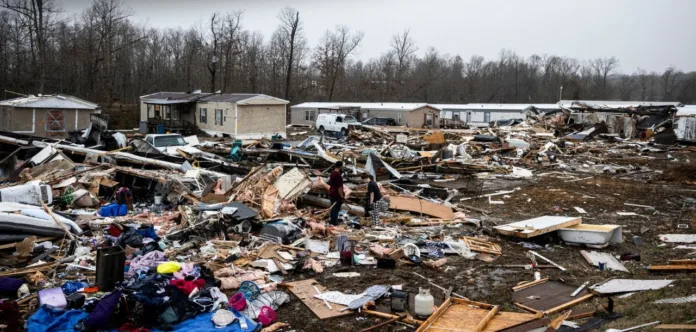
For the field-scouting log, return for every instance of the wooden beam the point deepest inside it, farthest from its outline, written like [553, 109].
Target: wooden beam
[672, 267]
[13, 245]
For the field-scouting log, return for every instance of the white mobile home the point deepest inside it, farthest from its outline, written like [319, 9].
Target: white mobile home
[481, 115]
[416, 115]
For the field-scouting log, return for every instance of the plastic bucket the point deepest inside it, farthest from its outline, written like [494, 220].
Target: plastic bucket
[158, 200]
[237, 302]
[267, 316]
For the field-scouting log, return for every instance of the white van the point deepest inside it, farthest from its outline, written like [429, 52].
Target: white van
[336, 122]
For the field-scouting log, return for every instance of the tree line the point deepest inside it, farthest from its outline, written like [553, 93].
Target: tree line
[103, 56]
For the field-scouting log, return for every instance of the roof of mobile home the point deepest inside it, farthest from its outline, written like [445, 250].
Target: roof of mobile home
[373, 106]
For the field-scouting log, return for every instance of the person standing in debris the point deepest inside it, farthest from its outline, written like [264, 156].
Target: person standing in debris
[336, 194]
[378, 206]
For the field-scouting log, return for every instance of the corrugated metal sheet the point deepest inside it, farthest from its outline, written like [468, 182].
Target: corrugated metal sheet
[685, 129]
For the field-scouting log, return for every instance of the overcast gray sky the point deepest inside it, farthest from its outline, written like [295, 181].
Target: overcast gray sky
[651, 34]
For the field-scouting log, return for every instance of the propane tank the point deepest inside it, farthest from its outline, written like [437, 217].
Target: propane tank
[424, 303]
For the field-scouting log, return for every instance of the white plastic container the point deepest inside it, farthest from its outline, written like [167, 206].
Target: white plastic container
[424, 303]
[158, 200]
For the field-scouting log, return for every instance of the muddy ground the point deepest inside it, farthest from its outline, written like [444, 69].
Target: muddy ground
[668, 187]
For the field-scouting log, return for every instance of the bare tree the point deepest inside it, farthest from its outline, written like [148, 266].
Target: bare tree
[213, 57]
[39, 15]
[669, 82]
[626, 86]
[643, 80]
[331, 54]
[292, 38]
[404, 48]
[603, 68]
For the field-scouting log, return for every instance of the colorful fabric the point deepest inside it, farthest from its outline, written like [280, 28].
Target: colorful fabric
[168, 267]
[145, 262]
[47, 319]
[186, 286]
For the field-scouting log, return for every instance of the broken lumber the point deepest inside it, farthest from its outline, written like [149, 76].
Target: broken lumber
[390, 316]
[548, 260]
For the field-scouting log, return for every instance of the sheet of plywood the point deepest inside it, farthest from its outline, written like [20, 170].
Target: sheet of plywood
[549, 296]
[504, 320]
[537, 226]
[305, 291]
[615, 286]
[436, 137]
[414, 204]
[292, 183]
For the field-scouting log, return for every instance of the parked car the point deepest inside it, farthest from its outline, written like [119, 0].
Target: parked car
[380, 122]
[336, 122]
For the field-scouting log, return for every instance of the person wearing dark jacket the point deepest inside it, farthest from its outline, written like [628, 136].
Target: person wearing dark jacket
[378, 206]
[336, 194]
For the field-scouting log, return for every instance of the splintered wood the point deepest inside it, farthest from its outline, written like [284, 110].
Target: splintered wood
[482, 246]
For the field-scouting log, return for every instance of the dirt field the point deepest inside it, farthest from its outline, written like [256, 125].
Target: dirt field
[667, 187]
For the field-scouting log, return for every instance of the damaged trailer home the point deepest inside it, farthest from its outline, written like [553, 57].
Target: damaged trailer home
[584, 119]
[238, 115]
[416, 115]
[484, 115]
[685, 124]
[46, 115]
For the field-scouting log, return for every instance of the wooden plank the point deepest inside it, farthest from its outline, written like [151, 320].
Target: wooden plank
[390, 316]
[568, 304]
[529, 284]
[683, 261]
[414, 204]
[304, 290]
[672, 267]
[33, 269]
[537, 226]
[39, 240]
[676, 327]
[108, 182]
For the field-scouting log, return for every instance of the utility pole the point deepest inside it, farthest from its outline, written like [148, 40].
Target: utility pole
[560, 95]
